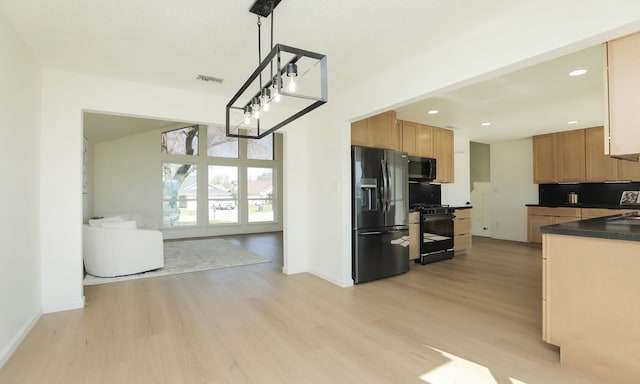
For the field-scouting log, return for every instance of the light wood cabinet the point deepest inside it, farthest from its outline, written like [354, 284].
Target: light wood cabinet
[590, 213]
[588, 304]
[570, 156]
[379, 131]
[417, 139]
[414, 235]
[544, 159]
[598, 167]
[541, 216]
[559, 157]
[628, 170]
[601, 167]
[622, 91]
[443, 153]
[462, 230]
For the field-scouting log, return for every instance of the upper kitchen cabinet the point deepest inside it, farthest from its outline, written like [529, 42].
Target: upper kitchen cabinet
[443, 153]
[417, 139]
[379, 131]
[599, 167]
[559, 157]
[544, 159]
[622, 91]
[570, 156]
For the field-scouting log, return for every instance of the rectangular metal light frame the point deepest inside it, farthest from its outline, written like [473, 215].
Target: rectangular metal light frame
[275, 53]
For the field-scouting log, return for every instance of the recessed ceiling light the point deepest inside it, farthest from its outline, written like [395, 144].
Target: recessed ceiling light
[433, 111]
[578, 72]
[486, 124]
[572, 122]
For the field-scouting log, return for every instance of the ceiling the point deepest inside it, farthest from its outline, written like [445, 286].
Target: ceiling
[169, 43]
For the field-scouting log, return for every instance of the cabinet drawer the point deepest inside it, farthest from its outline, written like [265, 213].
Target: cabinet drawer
[588, 213]
[463, 213]
[461, 242]
[551, 211]
[461, 226]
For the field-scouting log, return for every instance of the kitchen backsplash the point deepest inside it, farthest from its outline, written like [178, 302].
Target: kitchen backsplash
[588, 193]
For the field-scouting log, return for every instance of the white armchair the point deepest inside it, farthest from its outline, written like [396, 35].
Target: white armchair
[114, 247]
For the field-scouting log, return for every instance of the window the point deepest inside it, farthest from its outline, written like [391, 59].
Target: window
[223, 194]
[183, 141]
[218, 181]
[260, 149]
[219, 145]
[260, 194]
[179, 194]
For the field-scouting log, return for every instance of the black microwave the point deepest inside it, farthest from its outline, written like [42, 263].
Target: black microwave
[422, 168]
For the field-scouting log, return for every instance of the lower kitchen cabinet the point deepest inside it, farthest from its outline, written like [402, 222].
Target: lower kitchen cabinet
[414, 235]
[590, 213]
[462, 230]
[541, 216]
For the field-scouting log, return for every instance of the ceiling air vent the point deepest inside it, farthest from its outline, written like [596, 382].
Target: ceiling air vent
[209, 79]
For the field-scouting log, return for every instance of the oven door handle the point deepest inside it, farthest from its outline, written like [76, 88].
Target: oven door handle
[381, 232]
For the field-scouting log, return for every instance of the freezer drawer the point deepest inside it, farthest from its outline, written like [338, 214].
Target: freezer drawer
[380, 253]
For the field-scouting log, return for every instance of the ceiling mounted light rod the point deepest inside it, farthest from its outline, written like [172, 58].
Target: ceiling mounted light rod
[255, 114]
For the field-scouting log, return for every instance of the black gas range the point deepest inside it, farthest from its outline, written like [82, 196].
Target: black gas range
[436, 227]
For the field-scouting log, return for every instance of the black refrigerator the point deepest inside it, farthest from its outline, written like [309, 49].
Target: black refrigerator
[380, 231]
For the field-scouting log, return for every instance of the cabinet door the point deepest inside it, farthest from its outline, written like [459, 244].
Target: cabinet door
[599, 167]
[544, 159]
[628, 170]
[385, 133]
[534, 222]
[623, 91]
[409, 137]
[570, 156]
[380, 131]
[424, 140]
[443, 152]
[359, 133]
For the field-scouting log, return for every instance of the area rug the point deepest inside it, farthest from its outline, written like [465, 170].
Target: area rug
[191, 256]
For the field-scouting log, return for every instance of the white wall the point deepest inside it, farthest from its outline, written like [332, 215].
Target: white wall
[512, 187]
[20, 300]
[321, 241]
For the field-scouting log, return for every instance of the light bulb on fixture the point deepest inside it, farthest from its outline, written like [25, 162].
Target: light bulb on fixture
[277, 84]
[265, 96]
[292, 73]
[255, 107]
[247, 115]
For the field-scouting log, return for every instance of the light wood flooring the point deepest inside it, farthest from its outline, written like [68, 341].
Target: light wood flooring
[473, 319]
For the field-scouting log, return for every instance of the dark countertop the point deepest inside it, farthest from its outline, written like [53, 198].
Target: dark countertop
[566, 205]
[600, 227]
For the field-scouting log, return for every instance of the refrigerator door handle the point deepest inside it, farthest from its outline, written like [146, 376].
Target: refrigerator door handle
[385, 185]
[389, 187]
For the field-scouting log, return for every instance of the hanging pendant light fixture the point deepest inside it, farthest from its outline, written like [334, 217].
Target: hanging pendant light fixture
[258, 108]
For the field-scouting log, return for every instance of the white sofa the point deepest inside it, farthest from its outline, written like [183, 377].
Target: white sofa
[122, 245]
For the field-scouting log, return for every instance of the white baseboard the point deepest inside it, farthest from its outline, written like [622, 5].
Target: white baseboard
[18, 338]
[343, 284]
[340, 283]
[64, 307]
[293, 271]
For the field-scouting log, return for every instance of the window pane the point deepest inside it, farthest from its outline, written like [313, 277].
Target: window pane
[183, 141]
[260, 149]
[219, 145]
[260, 194]
[179, 194]
[223, 194]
